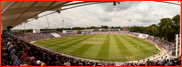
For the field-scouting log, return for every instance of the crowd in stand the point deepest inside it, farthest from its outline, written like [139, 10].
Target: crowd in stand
[123, 32]
[133, 33]
[17, 52]
[99, 32]
[111, 32]
[28, 37]
[163, 62]
[33, 36]
[162, 43]
[61, 34]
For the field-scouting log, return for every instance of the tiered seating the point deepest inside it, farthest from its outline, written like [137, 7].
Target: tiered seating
[17, 52]
[33, 36]
[162, 43]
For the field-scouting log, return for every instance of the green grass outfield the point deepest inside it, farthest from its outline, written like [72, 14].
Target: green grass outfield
[108, 47]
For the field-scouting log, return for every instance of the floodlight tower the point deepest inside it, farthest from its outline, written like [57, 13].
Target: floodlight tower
[24, 27]
[47, 22]
[63, 24]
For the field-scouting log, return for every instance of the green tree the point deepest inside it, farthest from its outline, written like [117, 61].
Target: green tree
[168, 27]
[152, 29]
[176, 22]
[163, 25]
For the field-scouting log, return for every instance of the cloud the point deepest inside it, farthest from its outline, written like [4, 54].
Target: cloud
[142, 13]
[105, 19]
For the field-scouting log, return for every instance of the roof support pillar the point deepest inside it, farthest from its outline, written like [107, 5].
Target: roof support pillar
[1, 24]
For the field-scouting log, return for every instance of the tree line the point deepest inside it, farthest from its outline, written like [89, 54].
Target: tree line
[165, 29]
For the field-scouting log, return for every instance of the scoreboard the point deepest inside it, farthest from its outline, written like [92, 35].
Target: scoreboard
[125, 28]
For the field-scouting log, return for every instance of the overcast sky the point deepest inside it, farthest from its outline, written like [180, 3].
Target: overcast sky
[142, 13]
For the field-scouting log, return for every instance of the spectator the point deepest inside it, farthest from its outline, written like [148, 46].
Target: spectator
[25, 53]
[38, 63]
[18, 60]
[32, 61]
[9, 43]
[13, 58]
[143, 63]
[26, 61]
[13, 51]
[67, 63]
[10, 47]
[148, 62]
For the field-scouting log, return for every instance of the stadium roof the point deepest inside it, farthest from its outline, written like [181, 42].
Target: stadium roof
[14, 13]
[17, 12]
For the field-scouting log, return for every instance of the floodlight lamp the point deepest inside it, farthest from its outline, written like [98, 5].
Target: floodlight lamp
[114, 3]
[118, 2]
[58, 11]
[9, 28]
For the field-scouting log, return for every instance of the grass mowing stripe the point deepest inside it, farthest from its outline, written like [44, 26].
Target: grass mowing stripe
[82, 49]
[65, 44]
[147, 55]
[72, 48]
[104, 51]
[68, 45]
[59, 44]
[53, 40]
[65, 39]
[93, 50]
[130, 47]
[62, 42]
[113, 48]
[93, 39]
[57, 41]
[140, 40]
[142, 43]
[121, 46]
[141, 48]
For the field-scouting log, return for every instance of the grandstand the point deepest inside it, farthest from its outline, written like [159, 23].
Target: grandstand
[86, 31]
[154, 58]
[97, 47]
[68, 32]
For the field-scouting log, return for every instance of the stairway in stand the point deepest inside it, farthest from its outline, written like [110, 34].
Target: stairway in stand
[55, 35]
